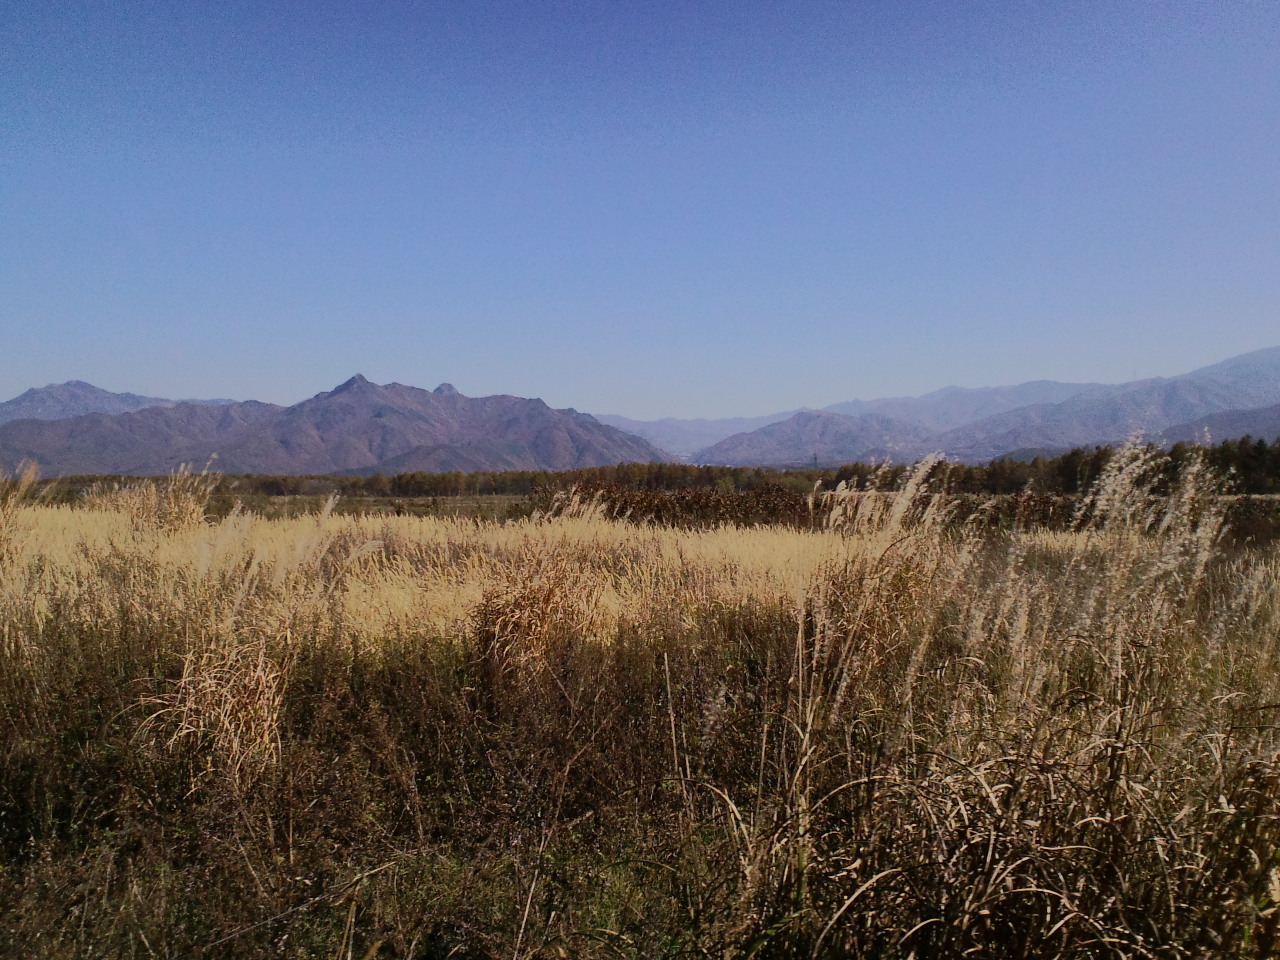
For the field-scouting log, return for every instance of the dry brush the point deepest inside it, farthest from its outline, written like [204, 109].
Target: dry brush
[891, 735]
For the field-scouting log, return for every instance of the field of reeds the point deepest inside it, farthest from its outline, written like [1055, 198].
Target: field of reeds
[886, 735]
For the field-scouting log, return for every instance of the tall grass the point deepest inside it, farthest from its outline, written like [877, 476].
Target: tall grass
[889, 736]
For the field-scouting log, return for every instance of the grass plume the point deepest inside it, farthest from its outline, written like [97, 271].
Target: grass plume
[891, 734]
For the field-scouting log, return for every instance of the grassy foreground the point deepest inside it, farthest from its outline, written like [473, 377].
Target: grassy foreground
[569, 736]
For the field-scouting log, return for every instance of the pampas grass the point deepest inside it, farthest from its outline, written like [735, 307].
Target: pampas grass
[892, 735]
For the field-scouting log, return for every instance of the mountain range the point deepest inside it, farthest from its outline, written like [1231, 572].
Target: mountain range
[979, 424]
[358, 427]
[361, 427]
[934, 412]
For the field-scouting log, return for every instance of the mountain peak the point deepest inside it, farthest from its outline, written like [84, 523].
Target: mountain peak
[446, 390]
[74, 398]
[354, 383]
[357, 427]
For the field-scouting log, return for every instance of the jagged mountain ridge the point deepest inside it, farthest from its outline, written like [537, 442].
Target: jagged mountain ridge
[356, 427]
[360, 427]
[75, 398]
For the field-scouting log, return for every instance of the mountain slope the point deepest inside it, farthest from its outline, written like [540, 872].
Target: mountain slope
[953, 407]
[940, 410]
[357, 426]
[1250, 379]
[361, 424]
[685, 437]
[151, 441]
[818, 437]
[1086, 414]
[1262, 423]
[75, 398]
[1112, 414]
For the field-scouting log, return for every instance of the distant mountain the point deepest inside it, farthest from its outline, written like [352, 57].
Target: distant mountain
[1262, 423]
[360, 427]
[941, 410]
[356, 427]
[953, 407]
[1042, 415]
[147, 442]
[684, 437]
[1251, 378]
[1111, 414]
[75, 398]
[819, 438]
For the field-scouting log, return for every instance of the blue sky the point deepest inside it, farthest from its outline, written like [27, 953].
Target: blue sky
[655, 209]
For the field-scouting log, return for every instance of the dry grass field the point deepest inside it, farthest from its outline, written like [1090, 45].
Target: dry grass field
[889, 736]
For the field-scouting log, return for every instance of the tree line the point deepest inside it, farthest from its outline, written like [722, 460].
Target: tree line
[1251, 466]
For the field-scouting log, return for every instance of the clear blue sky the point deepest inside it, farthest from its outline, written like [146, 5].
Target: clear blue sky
[652, 208]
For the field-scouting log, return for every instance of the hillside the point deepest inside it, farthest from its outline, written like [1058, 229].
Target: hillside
[1262, 423]
[819, 437]
[151, 441]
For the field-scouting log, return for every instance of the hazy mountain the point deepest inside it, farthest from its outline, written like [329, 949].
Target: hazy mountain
[940, 410]
[684, 437]
[358, 426]
[1262, 423]
[1086, 414]
[75, 398]
[1252, 378]
[819, 437]
[1110, 414]
[953, 407]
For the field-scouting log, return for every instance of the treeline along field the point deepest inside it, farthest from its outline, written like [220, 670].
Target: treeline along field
[882, 733]
[1043, 491]
[1253, 466]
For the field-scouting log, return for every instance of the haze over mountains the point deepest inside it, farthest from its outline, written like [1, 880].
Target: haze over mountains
[1261, 423]
[979, 424]
[684, 438]
[362, 428]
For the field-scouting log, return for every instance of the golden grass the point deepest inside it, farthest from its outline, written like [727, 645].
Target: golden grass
[402, 574]
[892, 735]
